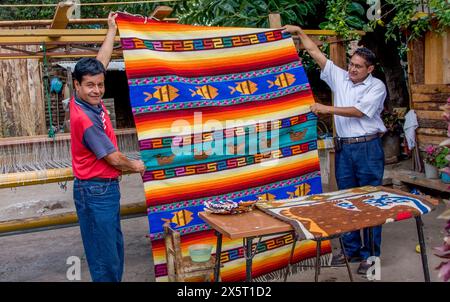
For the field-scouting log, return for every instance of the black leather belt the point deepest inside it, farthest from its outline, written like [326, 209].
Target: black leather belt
[359, 139]
[100, 179]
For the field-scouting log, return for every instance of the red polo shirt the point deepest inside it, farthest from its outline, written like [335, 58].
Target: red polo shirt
[93, 138]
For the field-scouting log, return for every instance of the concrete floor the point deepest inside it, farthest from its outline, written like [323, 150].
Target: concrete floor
[42, 256]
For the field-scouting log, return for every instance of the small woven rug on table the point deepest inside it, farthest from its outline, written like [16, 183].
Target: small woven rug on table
[221, 114]
[328, 214]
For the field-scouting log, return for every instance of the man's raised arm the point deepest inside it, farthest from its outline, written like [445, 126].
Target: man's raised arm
[309, 44]
[105, 52]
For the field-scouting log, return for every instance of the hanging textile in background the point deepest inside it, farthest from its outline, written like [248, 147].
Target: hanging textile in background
[221, 114]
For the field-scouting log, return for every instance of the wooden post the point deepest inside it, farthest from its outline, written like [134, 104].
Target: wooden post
[69, 83]
[274, 20]
[416, 65]
[436, 58]
[338, 55]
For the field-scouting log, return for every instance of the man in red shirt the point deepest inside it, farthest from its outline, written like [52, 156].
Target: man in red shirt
[97, 164]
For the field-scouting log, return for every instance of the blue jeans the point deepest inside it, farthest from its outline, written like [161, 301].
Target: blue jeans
[98, 210]
[357, 165]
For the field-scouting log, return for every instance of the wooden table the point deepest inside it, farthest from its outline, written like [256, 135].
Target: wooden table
[248, 226]
[256, 223]
[251, 225]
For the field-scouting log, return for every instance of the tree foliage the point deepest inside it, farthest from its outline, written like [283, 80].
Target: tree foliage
[404, 16]
[249, 13]
[97, 11]
[340, 15]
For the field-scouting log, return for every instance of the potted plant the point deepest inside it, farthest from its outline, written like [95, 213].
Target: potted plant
[435, 159]
[391, 139]
[442, 162]
[445, 172]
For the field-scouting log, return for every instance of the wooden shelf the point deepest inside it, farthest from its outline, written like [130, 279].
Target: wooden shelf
[418, 179]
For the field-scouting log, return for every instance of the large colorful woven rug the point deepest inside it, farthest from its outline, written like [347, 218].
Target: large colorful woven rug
[221, 114]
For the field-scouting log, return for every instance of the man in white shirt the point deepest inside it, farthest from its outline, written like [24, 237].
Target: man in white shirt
[358, 102]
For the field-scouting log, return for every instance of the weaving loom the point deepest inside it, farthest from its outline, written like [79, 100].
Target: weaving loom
[220, 113]
[39, 159]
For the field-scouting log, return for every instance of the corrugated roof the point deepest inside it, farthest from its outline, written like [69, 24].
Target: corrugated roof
[113, 65]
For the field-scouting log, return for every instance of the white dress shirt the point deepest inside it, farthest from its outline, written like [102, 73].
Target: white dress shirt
[367, 96]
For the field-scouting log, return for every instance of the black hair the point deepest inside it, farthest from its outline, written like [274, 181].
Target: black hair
[367, 55]
[88, 66]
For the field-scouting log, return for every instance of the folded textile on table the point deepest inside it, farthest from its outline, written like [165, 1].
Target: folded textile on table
[329, 214]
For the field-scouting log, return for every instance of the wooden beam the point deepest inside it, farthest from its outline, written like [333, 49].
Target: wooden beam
[418, 179]
[49, 22]
[52, 32]
[326, 32]
[431, 115]
[436, 124]
[102, 32]
[432, 97]
[424, 140]
[86, 21]
[57, 55]
[65, 36]
[432, 132]
[61, 40]
[161, 12]
[19, 140]
[430, 106]
[19, 50]
[426, 89]
[62, 13]
[48, 221]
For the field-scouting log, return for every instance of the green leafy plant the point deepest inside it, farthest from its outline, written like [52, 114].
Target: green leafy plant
[244, 12]
[441, 161]
[344, 16]
[404, 22]
[47, 12]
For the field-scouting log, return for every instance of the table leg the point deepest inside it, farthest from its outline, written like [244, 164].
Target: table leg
[345, 257]
[288, 269]
[218, 253]
[248, 259]
[423, 252]
[318, 244]
[371, 242]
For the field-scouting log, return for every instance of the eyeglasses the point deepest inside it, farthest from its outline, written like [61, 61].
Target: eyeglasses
[357, 66]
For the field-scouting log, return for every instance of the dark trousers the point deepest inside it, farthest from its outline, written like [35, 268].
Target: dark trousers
[357, 165]
[98, 210]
